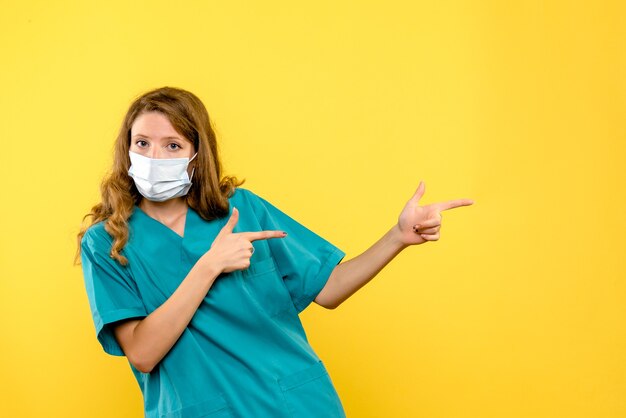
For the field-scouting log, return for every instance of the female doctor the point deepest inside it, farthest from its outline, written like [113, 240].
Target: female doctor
[199, 282]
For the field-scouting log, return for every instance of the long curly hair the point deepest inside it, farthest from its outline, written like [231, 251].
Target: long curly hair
[209, 192]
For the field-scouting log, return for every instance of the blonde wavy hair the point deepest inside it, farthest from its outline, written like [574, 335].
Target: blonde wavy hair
[210, 191]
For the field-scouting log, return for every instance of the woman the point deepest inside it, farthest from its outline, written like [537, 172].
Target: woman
[199, 282]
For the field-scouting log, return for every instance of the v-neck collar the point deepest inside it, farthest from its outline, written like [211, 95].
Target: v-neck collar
[143, 214]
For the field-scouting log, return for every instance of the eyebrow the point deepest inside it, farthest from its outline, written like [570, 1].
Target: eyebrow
[165, 137]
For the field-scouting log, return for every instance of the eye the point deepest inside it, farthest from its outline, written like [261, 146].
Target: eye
[176, 146]
[141, 143]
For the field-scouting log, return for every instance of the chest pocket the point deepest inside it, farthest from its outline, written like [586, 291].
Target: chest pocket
[265, 285]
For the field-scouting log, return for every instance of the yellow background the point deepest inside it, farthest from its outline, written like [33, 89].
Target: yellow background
[334, 111]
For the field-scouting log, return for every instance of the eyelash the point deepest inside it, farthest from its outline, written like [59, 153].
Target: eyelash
[173, 143]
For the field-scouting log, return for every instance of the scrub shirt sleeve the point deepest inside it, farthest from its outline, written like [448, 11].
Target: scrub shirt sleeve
[304, 259]
[112, 293]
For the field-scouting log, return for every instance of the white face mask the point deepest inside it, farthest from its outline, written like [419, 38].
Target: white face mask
[160, 179]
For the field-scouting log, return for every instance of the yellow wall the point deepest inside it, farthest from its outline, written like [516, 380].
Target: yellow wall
[334, 111]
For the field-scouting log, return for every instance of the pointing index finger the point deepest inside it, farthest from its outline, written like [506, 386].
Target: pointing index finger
[451, 204]
[257, 235]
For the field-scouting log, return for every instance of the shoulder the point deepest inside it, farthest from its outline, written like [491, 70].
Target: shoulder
[259, 206]
[245, 196]
[242, 192]
[96, 236]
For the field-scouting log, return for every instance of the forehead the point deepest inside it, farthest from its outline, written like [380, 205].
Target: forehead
[154, 125]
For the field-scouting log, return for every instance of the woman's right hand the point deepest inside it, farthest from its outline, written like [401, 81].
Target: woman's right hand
[232, 251]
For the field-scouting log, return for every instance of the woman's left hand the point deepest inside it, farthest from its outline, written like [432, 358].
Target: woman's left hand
[418, 224]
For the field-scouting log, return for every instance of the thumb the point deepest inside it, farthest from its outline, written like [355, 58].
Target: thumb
[232, 221]
[419, 192]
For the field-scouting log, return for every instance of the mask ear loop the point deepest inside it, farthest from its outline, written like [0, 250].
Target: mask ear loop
[194, 168]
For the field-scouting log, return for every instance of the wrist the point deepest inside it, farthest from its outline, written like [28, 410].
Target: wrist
[396, 237]
[210, 265]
